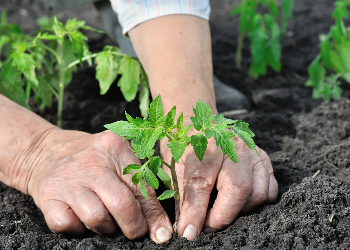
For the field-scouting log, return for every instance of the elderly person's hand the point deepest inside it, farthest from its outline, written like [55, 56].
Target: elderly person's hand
[76, 178]
[241, 186]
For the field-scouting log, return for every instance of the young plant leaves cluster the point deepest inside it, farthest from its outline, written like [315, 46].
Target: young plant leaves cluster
[43, 64]
[263, 31]
[332, 64]
[145, 132]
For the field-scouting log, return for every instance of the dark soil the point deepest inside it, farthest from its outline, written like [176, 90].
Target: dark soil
[300, 134]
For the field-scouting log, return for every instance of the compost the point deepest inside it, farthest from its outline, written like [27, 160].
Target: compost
[302, 136]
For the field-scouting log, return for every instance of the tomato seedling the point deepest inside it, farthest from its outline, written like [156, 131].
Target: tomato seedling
[145, 132]
[263, 31]
[44, 64]
[334, 57]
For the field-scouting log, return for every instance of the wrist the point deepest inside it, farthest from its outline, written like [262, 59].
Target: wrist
[22, 134]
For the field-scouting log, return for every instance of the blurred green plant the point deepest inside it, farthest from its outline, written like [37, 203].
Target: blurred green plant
[333, 62]
[43, 64]
[263, 31]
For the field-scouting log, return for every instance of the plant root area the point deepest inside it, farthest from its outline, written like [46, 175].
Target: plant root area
[307, 140]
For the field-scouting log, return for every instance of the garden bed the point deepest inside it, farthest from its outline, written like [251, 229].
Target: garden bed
[301, 135]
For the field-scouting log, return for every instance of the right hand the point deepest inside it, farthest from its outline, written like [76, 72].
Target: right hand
[76, 180]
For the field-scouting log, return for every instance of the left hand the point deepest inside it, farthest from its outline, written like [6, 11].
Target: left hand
[241, 186]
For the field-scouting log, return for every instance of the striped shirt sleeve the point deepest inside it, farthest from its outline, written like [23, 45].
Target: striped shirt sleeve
[133, 12]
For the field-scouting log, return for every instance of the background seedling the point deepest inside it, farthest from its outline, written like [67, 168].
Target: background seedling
[145, 132]
[333, 58]
[44, 64]
[263, 31]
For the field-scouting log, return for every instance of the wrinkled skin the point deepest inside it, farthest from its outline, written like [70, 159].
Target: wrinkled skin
[78, 184]
[241, 186]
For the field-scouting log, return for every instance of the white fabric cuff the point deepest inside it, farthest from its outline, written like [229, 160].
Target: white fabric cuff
[133, 12]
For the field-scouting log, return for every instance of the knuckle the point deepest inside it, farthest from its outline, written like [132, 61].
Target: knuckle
[240, 190]
[259, 197]
[127, 206]
[95, 218]
[200, 184]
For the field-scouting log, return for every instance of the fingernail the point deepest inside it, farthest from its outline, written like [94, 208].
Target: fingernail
[209, 230]
[163, 234]
[190, 232]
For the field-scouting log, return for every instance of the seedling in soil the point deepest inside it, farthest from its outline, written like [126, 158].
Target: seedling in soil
[44, 63]
[333, 59]
[263, 31]
[145, 132]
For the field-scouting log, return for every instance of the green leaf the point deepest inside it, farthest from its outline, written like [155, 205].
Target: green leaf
[129, 130]
[149, 140]
[25, 64]
[43, 92]
[130, 80]
[140, 152]
[327, 92]
[11, 85]
[177, 149]
[203, 118]
[315, 71]
[236, 11]
[156, 112]
[144, 94]
[164, 177]
[273, 8]
[150, 178]
[78, 42]
[336, 92]
[180, 121]
[223, 140]
[219, 118]
[287, 12]
[4, 39]
[136, 178]
[325, 50]
[244, 127]
[155, 164]
[241, 129]
[143, 190]
[106, 70]
[47, 36]
[184, 131]
[68, 58]
[170, 119]
[167, 194]
[43, 21]
[258, 39]
[21, 48]
[131, 168]
[199, 144]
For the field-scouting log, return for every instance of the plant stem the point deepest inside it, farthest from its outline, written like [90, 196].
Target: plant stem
[176, 188]
[60, 85]
[239, 51]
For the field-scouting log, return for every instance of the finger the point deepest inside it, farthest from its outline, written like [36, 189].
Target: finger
[92, 212]
[260, 187]
[158, 222]
[60, 218]
[234, 187]
[273, 189]
[159, 225]
[198, 182]
[122, 205]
